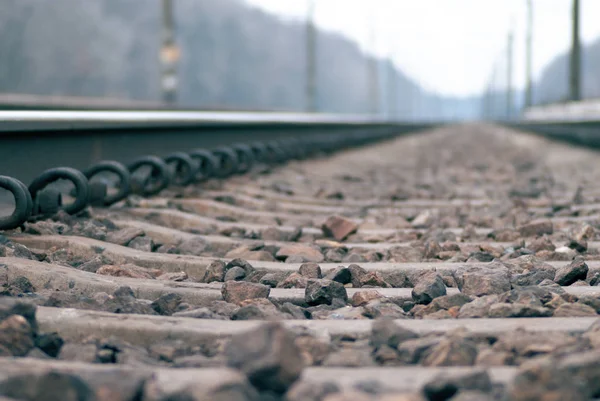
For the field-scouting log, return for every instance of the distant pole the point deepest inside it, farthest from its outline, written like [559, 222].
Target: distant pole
[373, 70]
[487, 102]
[169, 54]
[509, 75]
[575, 67]
[493, 95]
[392, 90]
[311, 59]
[528, 56]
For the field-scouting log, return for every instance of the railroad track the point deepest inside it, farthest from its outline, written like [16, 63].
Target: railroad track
[461, 263]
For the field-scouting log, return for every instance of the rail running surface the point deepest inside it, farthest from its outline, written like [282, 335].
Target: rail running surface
[33, 141]
[459, 264]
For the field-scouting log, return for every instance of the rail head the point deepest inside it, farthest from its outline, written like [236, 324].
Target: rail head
[23, 121]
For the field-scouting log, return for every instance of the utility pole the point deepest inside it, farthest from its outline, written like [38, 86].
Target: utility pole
[392, 90]
[575, 67]
[311, 59]
[169, 54]
[528, 56]
[373, 70]
[509, 75]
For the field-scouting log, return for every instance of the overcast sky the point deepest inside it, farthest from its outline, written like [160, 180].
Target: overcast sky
[449, 46]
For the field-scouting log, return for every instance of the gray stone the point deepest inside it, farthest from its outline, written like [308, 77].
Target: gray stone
[397, 279]
[429, 287]
[386, 332]
[324, 292]
[411, 352]
[193, 246]
[340, 274]
[166, 304]
[356, 274]
[144, 244]
[236, 273]
[542, 380]
[271, 279]
[477, 308]
[50, 386]
[446, 385]
[567, 275]
[268, 356]
[248, 269]
[381, 308]
[504, 310]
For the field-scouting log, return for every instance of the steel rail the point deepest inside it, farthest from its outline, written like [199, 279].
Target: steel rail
[14, 121]
[32, 141]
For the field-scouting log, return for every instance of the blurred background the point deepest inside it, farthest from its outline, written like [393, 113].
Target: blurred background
[400, 59]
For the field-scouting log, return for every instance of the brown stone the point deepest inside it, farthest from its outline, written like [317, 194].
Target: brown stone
[274, 234]
[432, 248]
[361, 298]
[237, 291]
[405, 254]
[294, 280]
[541, 244]
[452, 352]
[536, 229]
[584, 232]
[257, 309]
[489, 357]
[373, 279]
[16, 335]
[310, 270]
[478, 282]
[574, 310]
[313, 349]
[339, 227]
[214, 272]
[307, 253]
